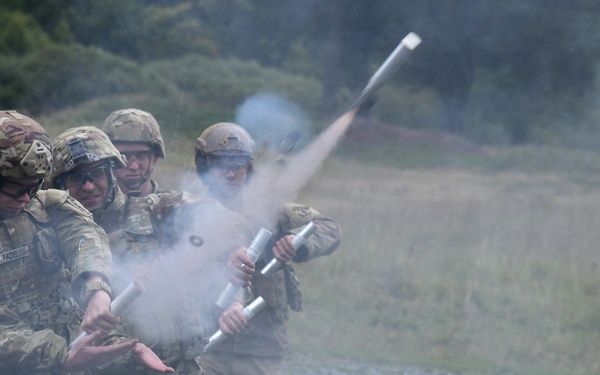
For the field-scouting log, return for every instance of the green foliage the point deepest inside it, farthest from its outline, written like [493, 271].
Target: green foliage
[210, 90]
[409, 107]
[170, 32]
[64, 75]
[469, 76]
[189, 94]
[20, 34]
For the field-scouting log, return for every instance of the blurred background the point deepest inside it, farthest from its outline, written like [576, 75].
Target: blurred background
[469, 193]
[509, 72]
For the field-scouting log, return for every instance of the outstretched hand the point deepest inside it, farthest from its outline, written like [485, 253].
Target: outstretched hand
[147, 358]
[85, 355]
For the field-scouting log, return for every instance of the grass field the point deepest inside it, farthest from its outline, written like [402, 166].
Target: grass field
[479, 271]
[476, 263]
[464, 270]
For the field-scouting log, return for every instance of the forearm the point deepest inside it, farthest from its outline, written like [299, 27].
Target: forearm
[84, 245]
[81, 237]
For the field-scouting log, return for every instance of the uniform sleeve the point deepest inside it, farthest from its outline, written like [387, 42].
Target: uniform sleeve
[23, 348]
[324, 241]
[84, 243]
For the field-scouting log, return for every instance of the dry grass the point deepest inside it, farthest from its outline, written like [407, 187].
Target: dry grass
[470, 271]
[446, 265]
[465, 269]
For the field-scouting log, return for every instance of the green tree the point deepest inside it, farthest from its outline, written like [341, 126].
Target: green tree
[526, 46]
[20, 34]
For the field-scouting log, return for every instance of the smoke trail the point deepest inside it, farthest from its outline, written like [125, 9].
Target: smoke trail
[283, 184]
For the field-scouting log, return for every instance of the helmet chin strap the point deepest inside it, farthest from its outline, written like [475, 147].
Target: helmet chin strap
[142, 180]
[111, 194]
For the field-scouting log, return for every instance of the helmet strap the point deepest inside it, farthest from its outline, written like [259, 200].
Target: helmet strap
[111, 191]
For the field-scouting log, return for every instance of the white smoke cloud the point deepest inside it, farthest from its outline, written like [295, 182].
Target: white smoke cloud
[270, 118]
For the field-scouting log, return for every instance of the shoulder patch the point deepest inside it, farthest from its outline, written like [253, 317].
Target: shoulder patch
[302, 211]
[299, 214]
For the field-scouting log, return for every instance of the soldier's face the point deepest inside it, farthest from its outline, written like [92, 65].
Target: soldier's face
[227, 177]
[140, 165]
[15, 194]
[88, 183]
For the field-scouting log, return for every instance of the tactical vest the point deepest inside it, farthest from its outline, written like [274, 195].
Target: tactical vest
[33, 277]
[135, 243]
[140, 248]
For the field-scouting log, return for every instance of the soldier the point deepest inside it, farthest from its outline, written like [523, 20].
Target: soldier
[136, 135]
[224, 162]
[46, 239]
[144, 233]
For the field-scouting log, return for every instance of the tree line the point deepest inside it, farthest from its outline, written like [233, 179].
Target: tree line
[514, 71]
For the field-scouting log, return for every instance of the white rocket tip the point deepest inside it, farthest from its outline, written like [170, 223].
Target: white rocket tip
[411, 41]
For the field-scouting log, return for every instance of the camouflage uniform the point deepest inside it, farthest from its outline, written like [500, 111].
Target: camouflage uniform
[142, 240]
[136, 126]
[156, 188]
[259, 348]
[145, 235]
[52, 238]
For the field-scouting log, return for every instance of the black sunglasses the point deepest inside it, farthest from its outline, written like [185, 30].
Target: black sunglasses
[16, 190]
[79, 178]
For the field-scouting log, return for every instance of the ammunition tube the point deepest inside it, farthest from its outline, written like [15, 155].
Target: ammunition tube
[253, 252]
[118, 305]
[249, 312]
[297, 242]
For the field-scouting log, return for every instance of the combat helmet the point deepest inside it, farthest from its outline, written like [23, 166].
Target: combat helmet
[84, 144]
[223, 139]
[134, 125]
[25, 147]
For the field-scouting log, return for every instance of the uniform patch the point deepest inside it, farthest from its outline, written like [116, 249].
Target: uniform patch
[302, 211]
[14, 254]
